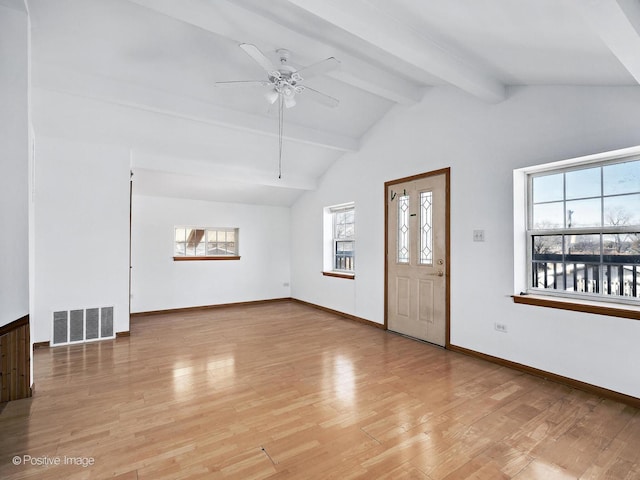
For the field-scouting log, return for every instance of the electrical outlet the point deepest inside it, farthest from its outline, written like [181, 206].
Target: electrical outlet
[478, 235]
[500, 327]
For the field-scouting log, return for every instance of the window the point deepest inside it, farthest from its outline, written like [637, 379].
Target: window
[426, 232]
[192, 243]
[583, 229]
[340, 240]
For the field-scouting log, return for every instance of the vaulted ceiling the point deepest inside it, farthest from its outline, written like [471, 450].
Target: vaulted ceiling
[141, 73]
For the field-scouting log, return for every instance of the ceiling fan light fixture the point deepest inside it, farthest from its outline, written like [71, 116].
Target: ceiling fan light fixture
[287, 91]
[271, 96]
[289, 101]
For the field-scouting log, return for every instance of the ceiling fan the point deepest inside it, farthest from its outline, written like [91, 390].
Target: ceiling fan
[286, 81]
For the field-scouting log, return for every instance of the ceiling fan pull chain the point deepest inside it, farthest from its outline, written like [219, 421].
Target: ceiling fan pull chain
[280, 132]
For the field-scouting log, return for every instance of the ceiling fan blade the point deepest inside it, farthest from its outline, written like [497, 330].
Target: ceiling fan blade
[258, 57]
[323, 66]
[243, 83]
[320, 97]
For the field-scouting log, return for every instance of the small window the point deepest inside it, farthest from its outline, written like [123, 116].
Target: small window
[583, 230]
[340, 240]
[193, 243]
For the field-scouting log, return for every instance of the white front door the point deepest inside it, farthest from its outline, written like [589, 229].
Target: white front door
[417, 256]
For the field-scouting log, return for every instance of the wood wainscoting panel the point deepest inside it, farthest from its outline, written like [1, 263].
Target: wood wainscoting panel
[15, 360]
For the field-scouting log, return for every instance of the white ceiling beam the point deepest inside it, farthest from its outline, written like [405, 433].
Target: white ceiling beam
[218, 171]
[228, 19]
[617, 22]
[368, 23]
[57, 79]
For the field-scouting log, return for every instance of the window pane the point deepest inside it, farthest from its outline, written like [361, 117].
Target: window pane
[211, 236]
[342, 247]
[212, 248]
[547, 247]
[344, 258]
[583, 183]
[180, 249]
[426, 233]
[623, 210]
[180, 235]
[582, 248]
[582, 277]
[200, 249]
[194, 237]
[548, 215]
[547, 261]
[584, 213]
[349, 216]
[582, 259]
[349, 230]
[621, 280]
[621, 248]
[403, 229]
[191, 250]
[622, 178]
[548, 188]
[231, 236]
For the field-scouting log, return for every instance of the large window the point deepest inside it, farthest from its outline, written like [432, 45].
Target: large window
[192, 243]
[340, 240]
[583, 230]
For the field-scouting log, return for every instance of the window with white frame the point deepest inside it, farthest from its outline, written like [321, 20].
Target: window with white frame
[583, 229]
[197, 243]
[340, 239]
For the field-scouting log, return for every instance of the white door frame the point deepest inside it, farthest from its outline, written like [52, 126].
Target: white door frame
[387, 201]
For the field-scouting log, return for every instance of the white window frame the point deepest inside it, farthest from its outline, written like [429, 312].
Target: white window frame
[523, 235]
[230, 255]
[331, 241]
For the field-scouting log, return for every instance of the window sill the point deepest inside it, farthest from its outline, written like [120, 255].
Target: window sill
[598, 308]
[348, 276]
[189, 259]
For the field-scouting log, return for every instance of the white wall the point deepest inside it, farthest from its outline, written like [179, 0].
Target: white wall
[14, 164]
[159, 283]
[81, 237]
[482, 143]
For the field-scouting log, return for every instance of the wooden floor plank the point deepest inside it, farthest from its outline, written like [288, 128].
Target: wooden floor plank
[282, 391]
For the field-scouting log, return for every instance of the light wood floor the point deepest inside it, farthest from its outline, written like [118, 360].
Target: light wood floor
[284, 391]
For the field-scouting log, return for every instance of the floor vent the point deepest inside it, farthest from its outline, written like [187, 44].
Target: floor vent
[82, 325]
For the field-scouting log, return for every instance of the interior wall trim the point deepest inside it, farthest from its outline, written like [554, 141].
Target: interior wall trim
[341, 314]
[569, 382]
[47, 344]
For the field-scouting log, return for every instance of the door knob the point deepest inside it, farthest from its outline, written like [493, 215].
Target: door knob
[439, 274]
